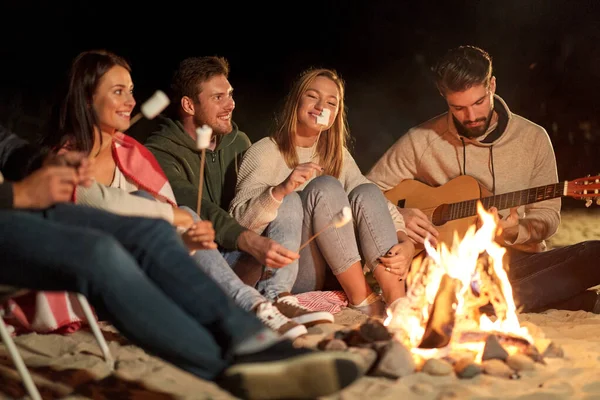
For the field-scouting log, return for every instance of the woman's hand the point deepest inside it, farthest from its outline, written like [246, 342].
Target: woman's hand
[200, 236]
[399, 257]
[297, 177]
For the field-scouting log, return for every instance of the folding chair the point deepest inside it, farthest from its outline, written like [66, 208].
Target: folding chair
[6, 292]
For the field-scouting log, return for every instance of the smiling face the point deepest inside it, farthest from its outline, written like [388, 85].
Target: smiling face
[215, 104]
[113, 100]
[322, 93]
[472, 108]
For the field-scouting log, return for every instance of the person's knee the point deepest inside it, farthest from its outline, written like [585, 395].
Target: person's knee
[364, 192]
[106, 259]
[325, 185]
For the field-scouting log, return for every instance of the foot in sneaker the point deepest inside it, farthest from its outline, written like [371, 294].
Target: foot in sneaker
[289, 306]
[285, 372]
[274, 319]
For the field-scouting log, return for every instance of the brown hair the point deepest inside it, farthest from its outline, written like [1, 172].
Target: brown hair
[332, 142]
[192, 72]
[462, 68]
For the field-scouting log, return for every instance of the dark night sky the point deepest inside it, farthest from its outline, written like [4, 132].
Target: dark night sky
[546, 55]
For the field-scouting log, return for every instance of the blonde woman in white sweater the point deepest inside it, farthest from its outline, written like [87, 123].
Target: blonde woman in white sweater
[303, 158]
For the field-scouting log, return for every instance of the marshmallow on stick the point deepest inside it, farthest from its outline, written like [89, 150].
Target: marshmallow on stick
[152, 107]
[203, 135]
[340, 219]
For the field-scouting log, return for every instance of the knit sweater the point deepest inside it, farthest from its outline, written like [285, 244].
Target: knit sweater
[519, 156]
[263, 167]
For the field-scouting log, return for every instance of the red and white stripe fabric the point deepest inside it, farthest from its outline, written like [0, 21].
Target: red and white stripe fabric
[332, 301]
[59, 312]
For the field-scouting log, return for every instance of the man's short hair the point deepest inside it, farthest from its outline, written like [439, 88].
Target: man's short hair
[194, 71]
[462, 68]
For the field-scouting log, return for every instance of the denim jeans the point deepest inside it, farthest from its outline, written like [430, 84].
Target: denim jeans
[541, 279]
[134, 270]
[369, 237]
[219, 268]
[285, 229]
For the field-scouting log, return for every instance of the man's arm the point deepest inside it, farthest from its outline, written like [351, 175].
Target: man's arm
[227, 229]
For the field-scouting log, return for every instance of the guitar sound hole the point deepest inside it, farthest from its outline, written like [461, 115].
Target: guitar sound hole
[401, 203]
[439, 216]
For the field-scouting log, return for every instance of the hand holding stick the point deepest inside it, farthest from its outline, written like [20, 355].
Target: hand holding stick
[339, 220]
[203, 135]
[151, 107]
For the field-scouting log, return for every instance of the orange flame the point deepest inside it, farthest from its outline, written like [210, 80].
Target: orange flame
[474, 260]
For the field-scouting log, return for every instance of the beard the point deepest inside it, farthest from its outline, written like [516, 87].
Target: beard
[475, 131]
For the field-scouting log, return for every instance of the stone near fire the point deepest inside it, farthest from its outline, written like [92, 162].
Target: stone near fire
[437, 367]
[553, 351]
[493, 350]
[520, 362]
[367, 357]
[395, 361]
[332, 344]
[373, 330]
[498, 368]
[465, 368]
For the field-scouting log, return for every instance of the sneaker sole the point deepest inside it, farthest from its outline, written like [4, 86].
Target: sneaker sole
[295, 332]
[303, 377]
[320, 317]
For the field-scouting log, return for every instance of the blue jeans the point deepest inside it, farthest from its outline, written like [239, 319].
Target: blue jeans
[134, 270]
[218, 266]
[285, 229]
[540, 280]
[369, 237]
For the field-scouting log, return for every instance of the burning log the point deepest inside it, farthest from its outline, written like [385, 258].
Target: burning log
[438, 331]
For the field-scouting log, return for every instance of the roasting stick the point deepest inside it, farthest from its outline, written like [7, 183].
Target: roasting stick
[339, 220]
[151, 107]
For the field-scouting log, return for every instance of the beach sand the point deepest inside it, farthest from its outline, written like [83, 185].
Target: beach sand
[71, 367]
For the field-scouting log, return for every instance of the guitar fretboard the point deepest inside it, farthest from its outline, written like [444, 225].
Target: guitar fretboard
[507, 200]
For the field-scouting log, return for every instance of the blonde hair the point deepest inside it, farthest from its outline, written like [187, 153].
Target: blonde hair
[330, 147]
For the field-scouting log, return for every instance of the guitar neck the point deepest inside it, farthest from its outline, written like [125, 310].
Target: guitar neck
[507, 200]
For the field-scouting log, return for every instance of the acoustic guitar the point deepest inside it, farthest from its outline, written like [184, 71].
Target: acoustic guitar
[452, 207]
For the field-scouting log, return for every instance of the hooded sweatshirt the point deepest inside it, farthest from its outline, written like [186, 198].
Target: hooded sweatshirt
[514, 154]
[179, 158]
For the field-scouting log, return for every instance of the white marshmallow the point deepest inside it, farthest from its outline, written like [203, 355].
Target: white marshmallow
[203, 135]
[343, 217]
[323, 119]
[155, 104]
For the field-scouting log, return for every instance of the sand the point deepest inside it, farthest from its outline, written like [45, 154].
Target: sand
[71, 367]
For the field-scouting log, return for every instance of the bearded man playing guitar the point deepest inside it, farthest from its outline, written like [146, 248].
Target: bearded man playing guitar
[480, 148]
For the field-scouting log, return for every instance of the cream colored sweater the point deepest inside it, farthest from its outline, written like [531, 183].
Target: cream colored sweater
[263, 167]
[118, 200]
[522, 158]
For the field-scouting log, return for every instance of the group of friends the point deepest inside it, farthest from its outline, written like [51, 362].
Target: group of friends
[91, 210]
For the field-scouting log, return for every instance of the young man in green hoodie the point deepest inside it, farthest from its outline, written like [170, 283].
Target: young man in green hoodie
[202, 95]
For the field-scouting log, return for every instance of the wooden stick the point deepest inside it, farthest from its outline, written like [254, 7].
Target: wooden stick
[135, 119]
[314, 236]
[201, 181]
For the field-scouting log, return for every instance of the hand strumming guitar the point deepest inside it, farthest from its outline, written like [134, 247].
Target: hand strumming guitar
[418, 226]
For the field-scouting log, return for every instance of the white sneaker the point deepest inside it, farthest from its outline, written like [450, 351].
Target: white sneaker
[274, 319]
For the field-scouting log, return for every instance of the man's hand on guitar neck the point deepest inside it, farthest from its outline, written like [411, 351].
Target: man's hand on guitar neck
[418, 226]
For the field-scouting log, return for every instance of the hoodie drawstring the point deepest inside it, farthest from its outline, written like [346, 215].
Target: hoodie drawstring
[493, 173]
[464, 171]
[464, 156]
